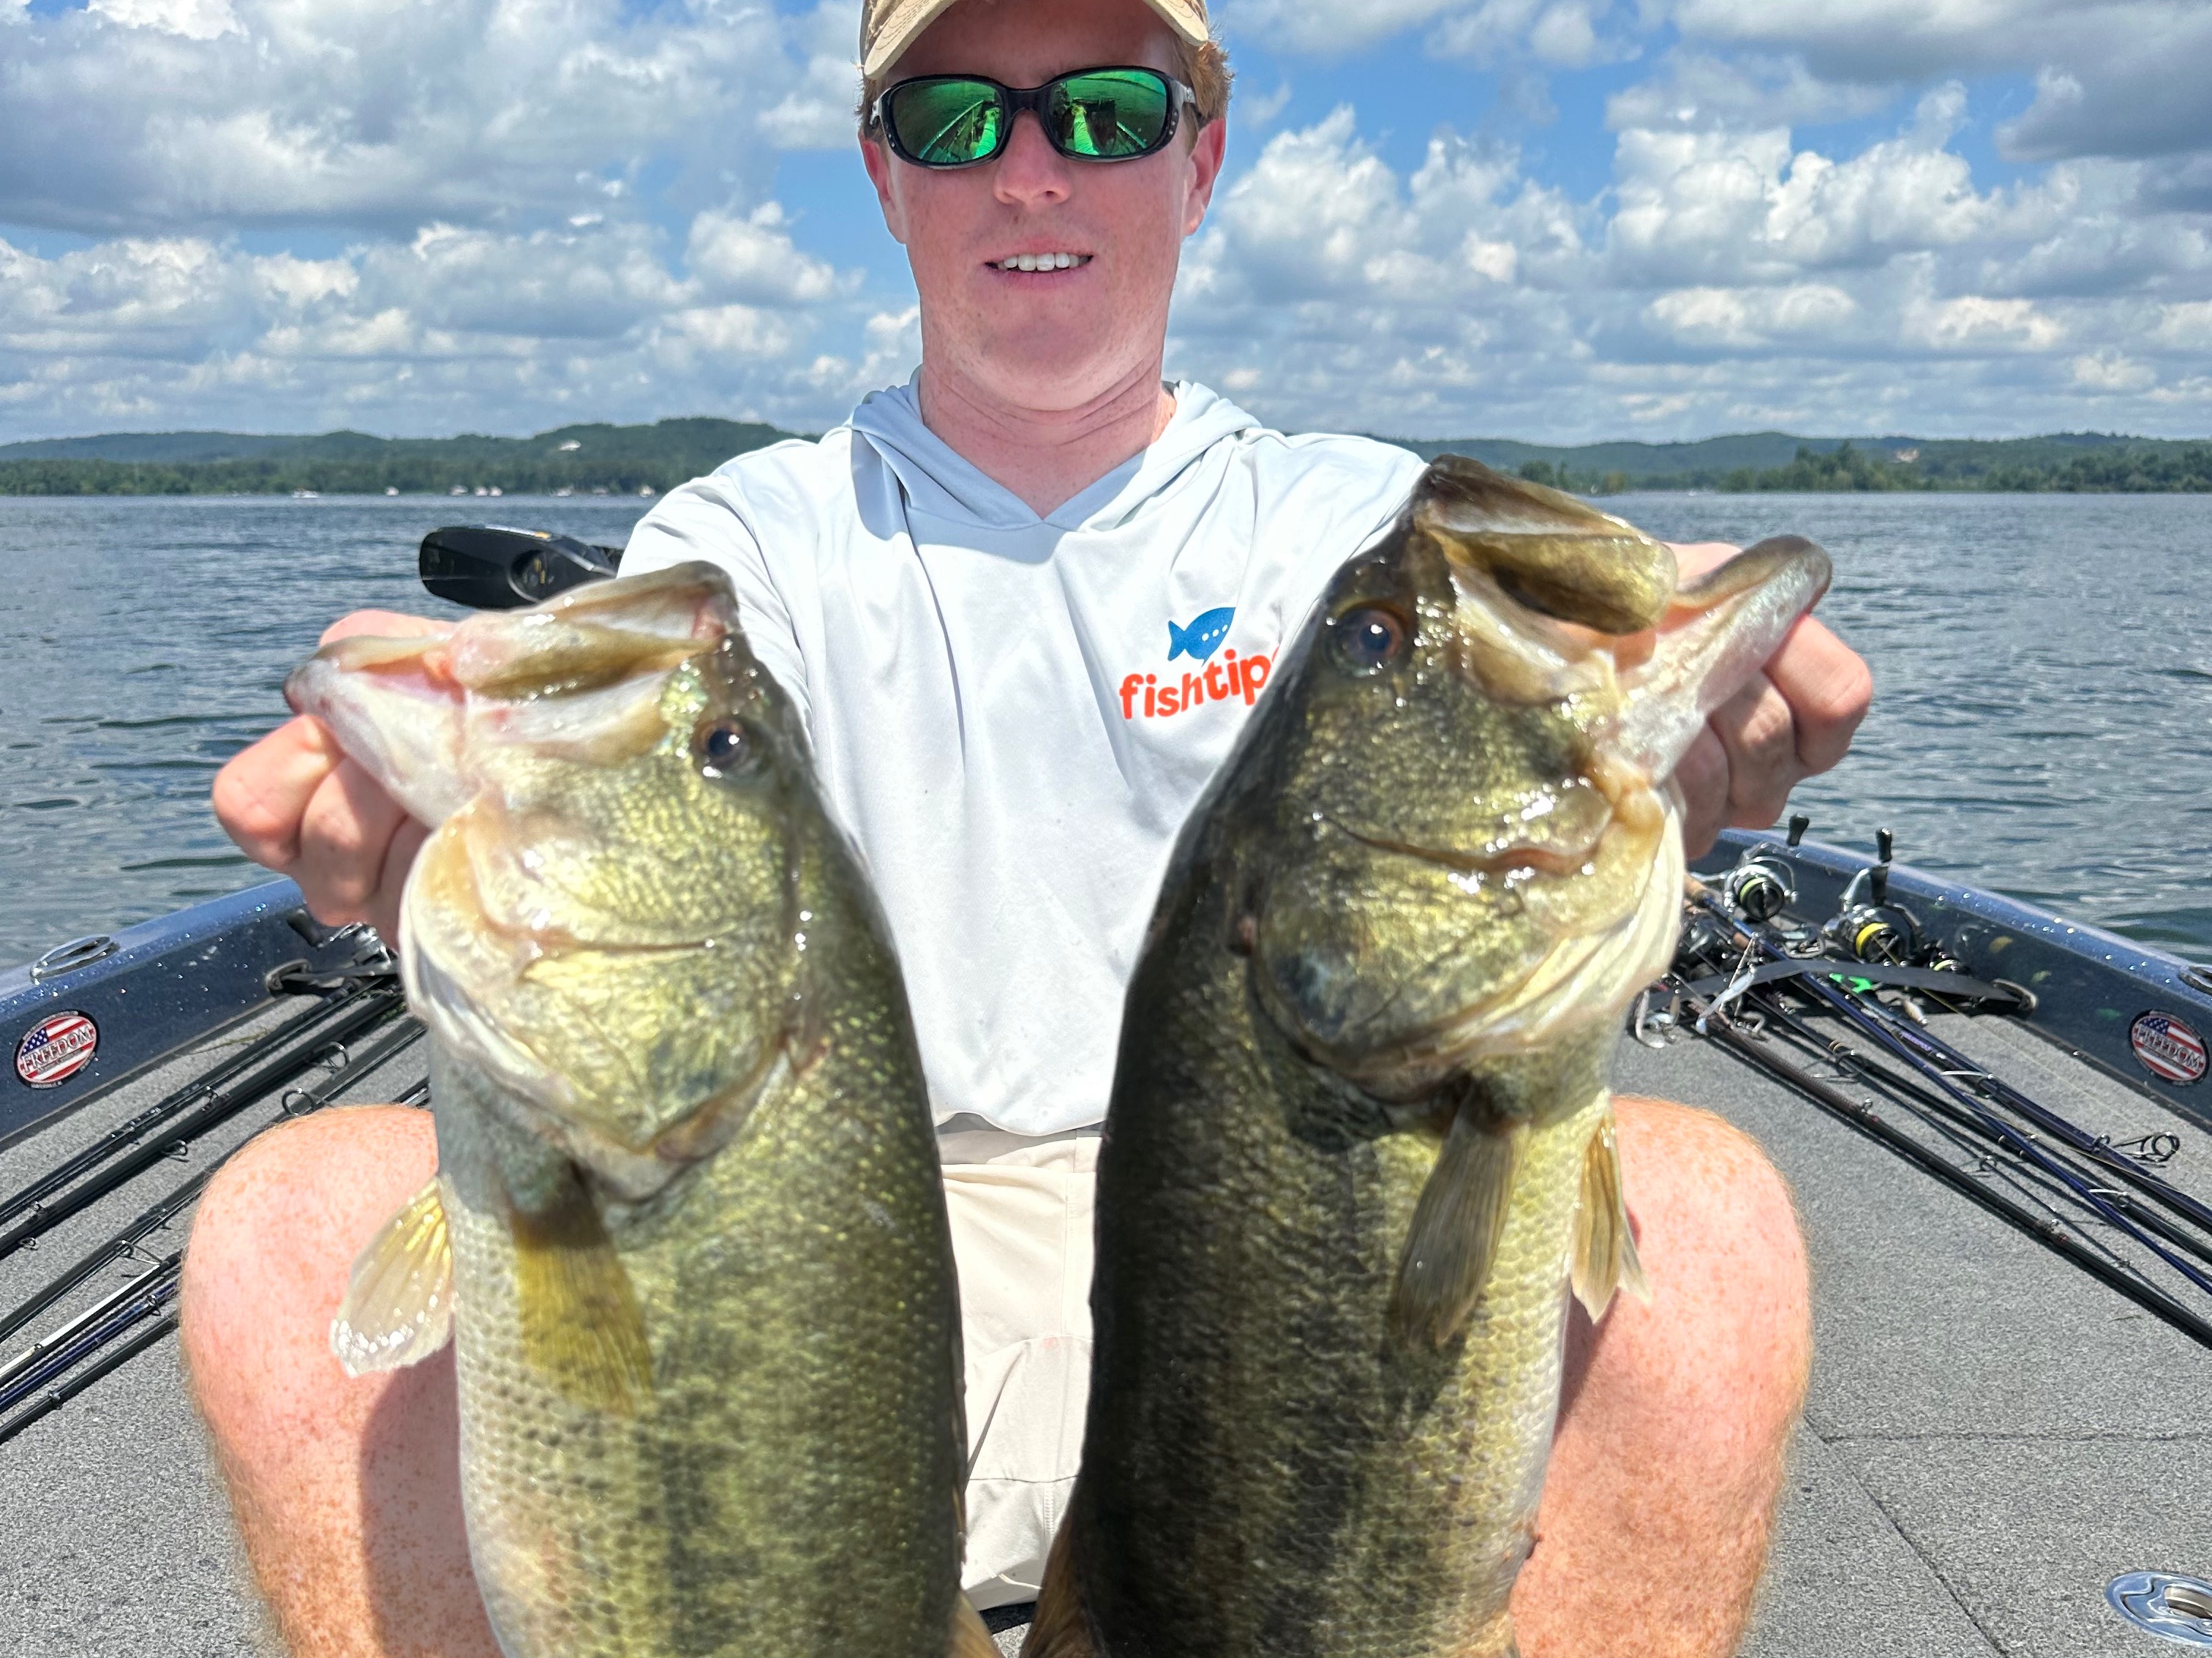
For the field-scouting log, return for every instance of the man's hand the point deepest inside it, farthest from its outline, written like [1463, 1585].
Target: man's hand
[294, 802]
[1792, 721]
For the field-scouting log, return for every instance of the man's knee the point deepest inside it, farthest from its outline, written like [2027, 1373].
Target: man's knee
[271, 1246]
[1730, 1320]
[1676, 1415]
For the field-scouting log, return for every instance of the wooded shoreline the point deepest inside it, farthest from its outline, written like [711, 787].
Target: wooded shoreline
[606, 459]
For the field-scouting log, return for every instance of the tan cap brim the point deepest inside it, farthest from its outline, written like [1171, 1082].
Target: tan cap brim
[888, 27]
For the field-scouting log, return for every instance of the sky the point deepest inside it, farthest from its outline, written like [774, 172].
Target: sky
[1556, 220]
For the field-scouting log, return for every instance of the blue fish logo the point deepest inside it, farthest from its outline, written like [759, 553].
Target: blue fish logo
[1202, 635]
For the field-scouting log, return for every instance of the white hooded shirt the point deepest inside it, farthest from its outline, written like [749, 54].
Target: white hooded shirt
[1012, 715]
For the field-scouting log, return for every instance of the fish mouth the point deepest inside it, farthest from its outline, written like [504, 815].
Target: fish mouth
[474, 967]
[1394, 1049]
[1502, 861]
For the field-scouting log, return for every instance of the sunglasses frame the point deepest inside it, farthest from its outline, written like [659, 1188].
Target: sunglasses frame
[1014, 100]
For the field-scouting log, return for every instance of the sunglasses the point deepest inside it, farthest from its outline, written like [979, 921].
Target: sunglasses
[1090, 115]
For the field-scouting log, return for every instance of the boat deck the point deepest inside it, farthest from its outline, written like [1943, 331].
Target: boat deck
[1991, 1434]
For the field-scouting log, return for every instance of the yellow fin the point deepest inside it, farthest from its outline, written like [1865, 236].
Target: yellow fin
[970, 1639]
[398, 1304]
[1605, 1248]
[1456, 1226]
[580, 1324]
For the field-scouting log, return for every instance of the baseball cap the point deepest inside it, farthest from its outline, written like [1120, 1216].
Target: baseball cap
[888, 27]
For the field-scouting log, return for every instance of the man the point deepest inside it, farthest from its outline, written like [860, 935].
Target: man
[1009, 598]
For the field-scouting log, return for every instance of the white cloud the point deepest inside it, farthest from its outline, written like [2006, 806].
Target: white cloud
[1974, 321]
[195, 19]
[384, 118]
[753, 258]
[429, 334]
[503, 213]
[2109, 370]
[1744, 319]
[1727, 279]
[1562, 34]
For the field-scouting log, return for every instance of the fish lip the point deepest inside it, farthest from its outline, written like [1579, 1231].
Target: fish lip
[1518, 855]
[1413, 1063]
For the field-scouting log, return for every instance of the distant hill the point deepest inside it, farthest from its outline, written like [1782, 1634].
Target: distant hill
[155, 447]
[1777, 461]
[622, 459]
[626, 459]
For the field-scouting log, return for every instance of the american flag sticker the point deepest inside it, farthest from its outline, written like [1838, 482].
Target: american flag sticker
[2169, 1050]
[59, 1046]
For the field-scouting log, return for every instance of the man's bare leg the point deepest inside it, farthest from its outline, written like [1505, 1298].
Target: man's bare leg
[347, 1492]
[1676, 1420]
[1655, 1520]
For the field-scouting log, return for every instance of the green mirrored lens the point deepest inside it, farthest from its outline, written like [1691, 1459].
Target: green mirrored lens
[947, 122]
[1111, 113]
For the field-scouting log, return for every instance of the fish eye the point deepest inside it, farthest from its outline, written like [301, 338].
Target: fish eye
[724, 747]
[1368, 638]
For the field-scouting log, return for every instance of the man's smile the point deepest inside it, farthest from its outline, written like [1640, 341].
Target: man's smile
[1054, 260]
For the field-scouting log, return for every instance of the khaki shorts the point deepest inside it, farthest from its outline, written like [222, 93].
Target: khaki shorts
[1021, 1234]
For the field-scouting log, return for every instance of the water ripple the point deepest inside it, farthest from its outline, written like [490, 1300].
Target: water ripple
[168, 627]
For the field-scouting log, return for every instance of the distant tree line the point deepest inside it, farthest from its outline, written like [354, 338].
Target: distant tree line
[413, 476]
[624, 460]
[583, 460]
[2185, 468]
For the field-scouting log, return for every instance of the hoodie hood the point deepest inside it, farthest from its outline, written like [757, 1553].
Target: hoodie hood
[942, 484]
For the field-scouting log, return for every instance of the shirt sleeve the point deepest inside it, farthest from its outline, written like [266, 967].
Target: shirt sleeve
[708, 519]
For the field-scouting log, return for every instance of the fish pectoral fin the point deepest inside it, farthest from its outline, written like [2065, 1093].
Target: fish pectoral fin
[1605, 1257]
[970, 1639]
[1456, 1227]
[398, 1304]
[580, 1326]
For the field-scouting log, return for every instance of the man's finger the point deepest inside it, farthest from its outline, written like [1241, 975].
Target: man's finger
[345, 835]
[1756, 728]
[384, 909]
[262, 792]
[1828, 687]
[384, 623]
[1703, 778]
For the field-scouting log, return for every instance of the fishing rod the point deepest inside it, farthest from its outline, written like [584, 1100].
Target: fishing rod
[55, 1397]
[1963, 1130]
[1798, 958]
[301, 1027]
[124, 1245]
[1885, 1030]
[145, 1297]
[360, 1014]
[59, 1358]
[1870, 1123]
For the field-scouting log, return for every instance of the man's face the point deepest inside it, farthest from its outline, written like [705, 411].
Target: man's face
[1045, 339]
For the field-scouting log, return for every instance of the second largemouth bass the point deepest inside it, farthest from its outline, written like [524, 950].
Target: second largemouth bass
[688, 1230]
[1360, 1144]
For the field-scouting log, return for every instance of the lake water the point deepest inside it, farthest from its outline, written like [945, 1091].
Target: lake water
[2042, 722]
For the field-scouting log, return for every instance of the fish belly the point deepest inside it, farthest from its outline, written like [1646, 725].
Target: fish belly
[789, 1484]
[1270, 1473]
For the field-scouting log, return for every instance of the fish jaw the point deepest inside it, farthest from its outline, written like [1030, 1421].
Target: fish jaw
[1718, 634]
[575, 677]
[592, 879]
[396, 711]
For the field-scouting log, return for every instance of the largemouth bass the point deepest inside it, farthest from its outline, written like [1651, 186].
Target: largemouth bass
[688, 1230]
[1360, 1145]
